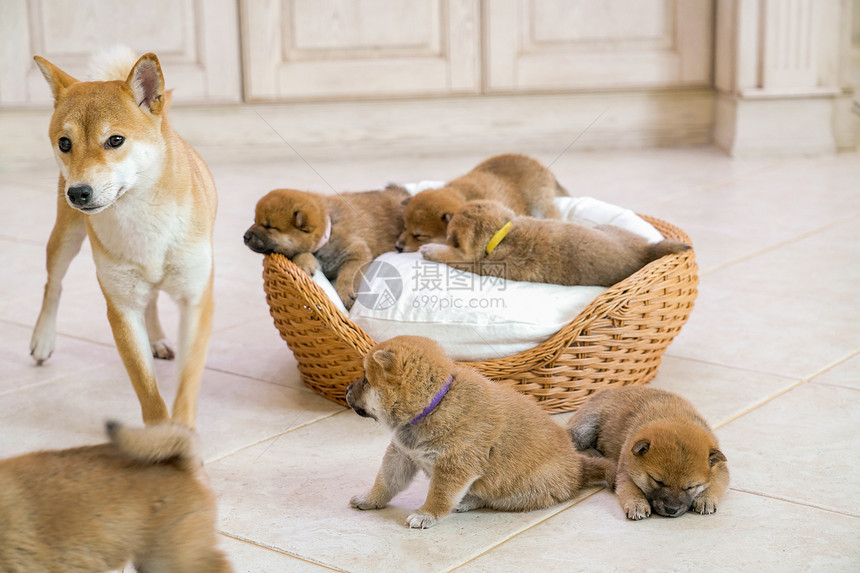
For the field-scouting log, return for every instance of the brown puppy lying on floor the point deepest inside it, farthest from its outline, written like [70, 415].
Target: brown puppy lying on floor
[138, 498]
[340, 233]
[482, 444]
[668, 457]
[519, 182]
[544, 251]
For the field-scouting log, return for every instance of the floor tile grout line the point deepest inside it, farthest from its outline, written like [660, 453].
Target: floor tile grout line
[779, 244]
[728, 366]
[786, 390]
[274, 549]
[566, 506]
[705, 187]
[273, 437]
[795, 502]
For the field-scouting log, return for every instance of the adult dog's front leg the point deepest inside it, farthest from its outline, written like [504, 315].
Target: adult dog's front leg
[66, 239]
[195, 328]
[129, 332]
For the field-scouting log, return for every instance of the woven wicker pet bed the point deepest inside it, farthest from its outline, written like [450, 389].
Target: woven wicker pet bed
[617, 340]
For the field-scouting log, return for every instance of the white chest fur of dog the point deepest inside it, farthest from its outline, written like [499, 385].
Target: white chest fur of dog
[147, 202]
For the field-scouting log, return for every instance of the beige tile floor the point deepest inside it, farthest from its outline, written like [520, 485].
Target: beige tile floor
[770, 356]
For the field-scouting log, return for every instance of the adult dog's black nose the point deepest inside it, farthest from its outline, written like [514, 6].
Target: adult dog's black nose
[80, 195]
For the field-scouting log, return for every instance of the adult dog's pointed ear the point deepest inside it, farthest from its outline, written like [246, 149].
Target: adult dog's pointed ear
[57, 79]
[146, 83]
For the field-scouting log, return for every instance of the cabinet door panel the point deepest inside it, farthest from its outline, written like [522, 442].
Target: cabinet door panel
[535, 45]
[296, 49]
[196, 42]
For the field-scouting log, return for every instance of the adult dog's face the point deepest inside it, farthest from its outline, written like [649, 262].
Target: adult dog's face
[672, 464]
[288, 222]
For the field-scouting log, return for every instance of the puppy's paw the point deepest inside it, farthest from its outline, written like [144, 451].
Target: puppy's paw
[468, 503]
[432, 251]
[347, 295]
[636, 509]
[161, 349]
[704, 504]
[307, 262]
[361, 502]
[420, 520]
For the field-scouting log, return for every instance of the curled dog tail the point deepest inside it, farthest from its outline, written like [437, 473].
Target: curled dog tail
[111, 64]
[157, 443]
[665, 247]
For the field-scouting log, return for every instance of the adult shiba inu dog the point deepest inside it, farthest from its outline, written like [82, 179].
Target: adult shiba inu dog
[517, 181]
[482, 444]
[542, 250]
[668, 458]
[139, 498]
[147, 202]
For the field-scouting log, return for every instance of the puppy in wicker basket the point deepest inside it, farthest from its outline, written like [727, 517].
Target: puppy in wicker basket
[338, 233]
[543, 251]
[518, 181]
[668, 458]
[141, 497]
[482, 444]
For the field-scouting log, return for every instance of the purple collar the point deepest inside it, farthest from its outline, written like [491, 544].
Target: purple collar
[435, 402]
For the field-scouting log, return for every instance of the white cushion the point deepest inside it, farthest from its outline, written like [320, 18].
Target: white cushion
[471, 316]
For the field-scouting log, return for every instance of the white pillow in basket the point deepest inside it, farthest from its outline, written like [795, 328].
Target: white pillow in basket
[475, 317]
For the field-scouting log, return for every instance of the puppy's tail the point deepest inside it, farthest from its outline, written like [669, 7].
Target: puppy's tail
[113, 63]
[165, 442]
[665, 247]
[598, 470]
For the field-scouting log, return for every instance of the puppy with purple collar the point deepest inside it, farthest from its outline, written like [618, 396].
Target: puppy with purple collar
[482, 444]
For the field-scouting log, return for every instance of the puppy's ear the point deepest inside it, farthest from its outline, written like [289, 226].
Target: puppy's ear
[57, 79]
[640, 447]
[300, 220]
[447, 217]
[454, 240]
[716, 456]
[384, 358]
[146, 83]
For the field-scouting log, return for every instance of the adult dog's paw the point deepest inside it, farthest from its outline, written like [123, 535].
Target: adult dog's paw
[420, 520]
[361, 502]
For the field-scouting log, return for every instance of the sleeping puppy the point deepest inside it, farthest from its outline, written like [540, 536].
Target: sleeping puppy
[545, 251]
[482, 444]
[139, 498]
[519, 182]
[668, 457]
[340, 233]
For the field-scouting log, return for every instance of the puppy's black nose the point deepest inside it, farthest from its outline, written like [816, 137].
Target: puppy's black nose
[80, 194]
[248, 236]
[399, 247]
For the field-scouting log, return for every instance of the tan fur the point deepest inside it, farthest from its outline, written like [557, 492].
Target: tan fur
[140, 498]
[363, 226]
[518, 181]
[149, 218]
[484, 445]
[668, 457]
[546, 251]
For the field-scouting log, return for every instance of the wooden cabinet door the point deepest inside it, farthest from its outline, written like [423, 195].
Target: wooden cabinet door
[196, 42]
[302, 49]
[535, 45]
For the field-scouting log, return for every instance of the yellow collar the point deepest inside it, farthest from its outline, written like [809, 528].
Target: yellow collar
[498, 236]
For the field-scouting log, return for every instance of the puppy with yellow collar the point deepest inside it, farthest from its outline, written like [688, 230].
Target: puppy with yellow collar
[543, 250]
